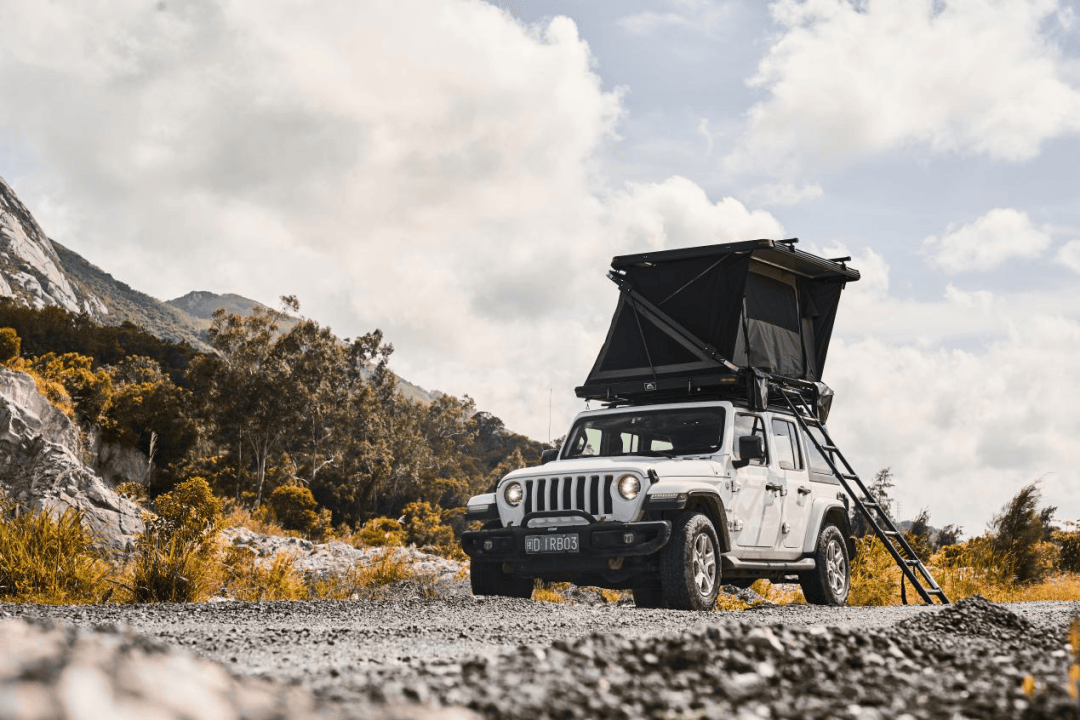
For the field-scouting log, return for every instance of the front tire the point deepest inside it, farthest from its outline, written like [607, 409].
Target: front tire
[690, 564]
[488, 579]
[649, 594]
[829, 583]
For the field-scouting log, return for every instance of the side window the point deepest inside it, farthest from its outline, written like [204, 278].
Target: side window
[749, 425]
[786, 444]
[817, 461]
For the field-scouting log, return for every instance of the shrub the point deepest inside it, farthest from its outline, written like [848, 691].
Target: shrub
[49, 560]
[875, 577]
[424, 527]
[175, 558]
[381, 532]
[1069, 542]
[295, 508]
[10, 345]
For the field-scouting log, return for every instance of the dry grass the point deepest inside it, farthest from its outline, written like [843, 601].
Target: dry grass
[551, 592]
[375, 580]
[258, 521]
[245, 579]
[47, 560]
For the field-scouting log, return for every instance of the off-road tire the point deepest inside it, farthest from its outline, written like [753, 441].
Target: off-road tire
[649, 594]
[488, 579]
[690, 563]
[830, 581]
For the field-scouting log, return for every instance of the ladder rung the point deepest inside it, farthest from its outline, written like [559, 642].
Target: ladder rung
[913, 563]
[934, 591]
[849, 476]
[891, 532]
[830, 448]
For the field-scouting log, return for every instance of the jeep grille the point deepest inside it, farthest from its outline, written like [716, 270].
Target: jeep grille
[591, 493]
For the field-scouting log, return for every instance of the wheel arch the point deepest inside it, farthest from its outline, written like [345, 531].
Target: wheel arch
[828, 511]
[712, 506]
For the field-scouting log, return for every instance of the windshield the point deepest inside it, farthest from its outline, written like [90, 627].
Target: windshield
[682, 431]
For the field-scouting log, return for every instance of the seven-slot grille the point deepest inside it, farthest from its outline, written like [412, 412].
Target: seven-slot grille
[591, 493]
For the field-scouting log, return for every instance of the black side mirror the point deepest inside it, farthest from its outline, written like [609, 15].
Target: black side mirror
[548, 455]
[751, 447]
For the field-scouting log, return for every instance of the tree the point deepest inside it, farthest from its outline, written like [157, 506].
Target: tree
[10, 345]
[1018, 530]
[879, 491]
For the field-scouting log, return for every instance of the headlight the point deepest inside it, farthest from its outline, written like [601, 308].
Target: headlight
[513, 493]
[629, 487]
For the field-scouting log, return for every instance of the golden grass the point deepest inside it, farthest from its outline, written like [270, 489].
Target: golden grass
[375, 580]
[257, 521]
[551, 592]
[49, 560]
[245, 579]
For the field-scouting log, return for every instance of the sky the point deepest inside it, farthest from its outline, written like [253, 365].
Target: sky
[459, 173]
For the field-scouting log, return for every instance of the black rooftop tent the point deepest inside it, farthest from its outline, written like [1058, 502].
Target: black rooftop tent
[694, 318]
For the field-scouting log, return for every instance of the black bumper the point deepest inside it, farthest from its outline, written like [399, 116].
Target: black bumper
[598, 542]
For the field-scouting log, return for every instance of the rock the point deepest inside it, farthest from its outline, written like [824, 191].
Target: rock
[50, 670]
[40, 466]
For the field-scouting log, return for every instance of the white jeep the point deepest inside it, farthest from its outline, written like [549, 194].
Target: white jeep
[670, 500]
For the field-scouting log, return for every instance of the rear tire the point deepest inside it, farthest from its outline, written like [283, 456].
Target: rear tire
[690, 564]
[829, 583]
[488, 579]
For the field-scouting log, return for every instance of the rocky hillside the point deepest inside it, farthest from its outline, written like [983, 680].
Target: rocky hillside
[40, 272]
[41, 468]
[30, 268]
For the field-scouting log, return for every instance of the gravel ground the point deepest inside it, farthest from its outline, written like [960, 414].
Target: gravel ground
[507, 658]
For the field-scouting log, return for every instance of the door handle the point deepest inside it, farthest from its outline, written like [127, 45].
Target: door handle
[776, 488]
[805, 490]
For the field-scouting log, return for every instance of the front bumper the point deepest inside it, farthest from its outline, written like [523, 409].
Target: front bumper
[598, 542]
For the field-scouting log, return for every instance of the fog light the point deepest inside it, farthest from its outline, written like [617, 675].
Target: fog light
[488, 546]
[628, 538]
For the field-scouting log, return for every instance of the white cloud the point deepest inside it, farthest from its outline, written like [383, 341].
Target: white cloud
[845, 81]
[709, 17]
[1069, 255]
[784, 194]
[448, 196]
[1000, 235]
[962, 431]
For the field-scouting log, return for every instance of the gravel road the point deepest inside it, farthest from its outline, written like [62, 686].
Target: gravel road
[525, 659]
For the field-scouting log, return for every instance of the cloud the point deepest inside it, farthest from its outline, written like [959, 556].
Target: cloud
[845, 81]
[424, 167]
[784, 194]
[709, 17]
[998, 236]
[1069, 255]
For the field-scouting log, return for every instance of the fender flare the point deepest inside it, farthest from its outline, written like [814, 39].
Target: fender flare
[715, 511]
[827, 510]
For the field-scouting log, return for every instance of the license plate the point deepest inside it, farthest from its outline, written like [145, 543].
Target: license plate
[560, 543]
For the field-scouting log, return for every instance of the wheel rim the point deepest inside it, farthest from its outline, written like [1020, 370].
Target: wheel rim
[836, 568]
[704, 564]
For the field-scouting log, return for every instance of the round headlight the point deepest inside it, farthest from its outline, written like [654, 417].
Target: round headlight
[513, 493]
[629, 486]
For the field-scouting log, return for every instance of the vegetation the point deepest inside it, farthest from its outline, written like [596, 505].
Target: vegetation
[48, 560]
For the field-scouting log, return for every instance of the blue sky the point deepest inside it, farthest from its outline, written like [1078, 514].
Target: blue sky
[459, 173]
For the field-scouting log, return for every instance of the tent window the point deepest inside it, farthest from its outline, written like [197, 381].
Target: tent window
[772, 302]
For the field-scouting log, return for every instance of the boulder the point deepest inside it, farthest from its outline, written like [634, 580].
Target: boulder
[41, 470]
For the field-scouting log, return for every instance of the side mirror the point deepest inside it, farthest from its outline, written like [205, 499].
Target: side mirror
[751, 447]
[548, 455]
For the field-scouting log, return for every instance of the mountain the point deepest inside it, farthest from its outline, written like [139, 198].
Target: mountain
[199, 307]
[39, 272]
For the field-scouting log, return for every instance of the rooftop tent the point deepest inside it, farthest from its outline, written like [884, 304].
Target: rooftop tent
[694, 317]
